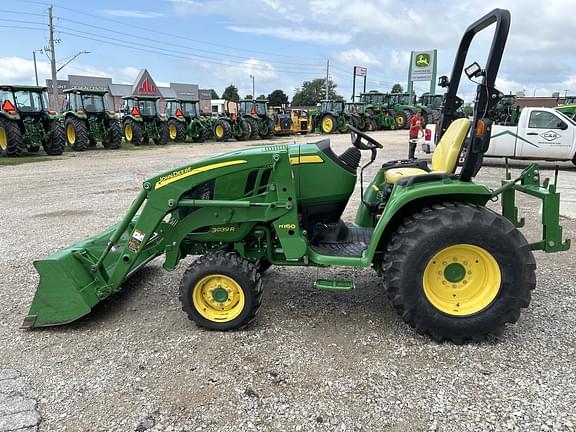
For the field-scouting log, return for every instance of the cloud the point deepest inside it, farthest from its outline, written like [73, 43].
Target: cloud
[357, 57]
[129, 13]
[296, 34]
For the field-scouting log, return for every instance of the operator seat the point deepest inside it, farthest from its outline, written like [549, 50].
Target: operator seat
[444, 158]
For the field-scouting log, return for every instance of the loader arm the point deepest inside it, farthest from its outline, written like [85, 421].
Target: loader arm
[74, 280]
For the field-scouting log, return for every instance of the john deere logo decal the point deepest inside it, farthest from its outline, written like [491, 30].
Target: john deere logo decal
[423, 60]
[550, 135]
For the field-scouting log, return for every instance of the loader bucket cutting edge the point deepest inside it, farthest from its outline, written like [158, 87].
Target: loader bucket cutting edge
[68, 290]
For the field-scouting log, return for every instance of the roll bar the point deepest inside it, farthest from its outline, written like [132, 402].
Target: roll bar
[487, 96]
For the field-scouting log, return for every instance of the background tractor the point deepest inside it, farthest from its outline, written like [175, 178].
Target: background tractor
[282, 120]
[88, 121]
[302, 122]
[184, 120]
[359, 117]
[255, 113]
[333, 117]
[507, 111]
[231, 125]
[142, 121]
[452, 268]
[568, 107]
[404, 106]
[431, 106]
[377, 109]
[26, 123]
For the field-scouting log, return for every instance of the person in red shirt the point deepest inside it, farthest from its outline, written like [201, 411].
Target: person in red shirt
[415, 129]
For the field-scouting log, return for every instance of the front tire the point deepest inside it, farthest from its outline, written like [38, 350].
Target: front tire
[328, 124]
[221, 291]
[459, 272]
[77, 134]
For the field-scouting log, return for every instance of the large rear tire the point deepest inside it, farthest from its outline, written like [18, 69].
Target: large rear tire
[77, 134]
[176, 130]
[245, 129]
[162, 138]
[222, 130]
[459, 272]
[54, 145]
[221, 291]
[11, 141]
[132, 132]
[328, 124]
[253, 127]
[114, 138]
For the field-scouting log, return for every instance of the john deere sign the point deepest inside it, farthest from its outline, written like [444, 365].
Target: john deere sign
[422, 65]
[422, 68]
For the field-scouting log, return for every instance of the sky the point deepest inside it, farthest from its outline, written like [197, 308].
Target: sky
[282, 43]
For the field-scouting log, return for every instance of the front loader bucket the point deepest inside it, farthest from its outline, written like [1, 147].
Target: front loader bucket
[68, 289]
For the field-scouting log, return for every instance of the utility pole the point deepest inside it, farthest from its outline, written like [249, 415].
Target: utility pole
[35, 68]
[253, 87]
[53, 60]
[327, 76]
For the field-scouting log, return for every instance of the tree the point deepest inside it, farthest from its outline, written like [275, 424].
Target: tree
[213, 94]
[231, 93]
[397, 88]
[312, 92]
[277, 97]
[248, 97]
[261, 97]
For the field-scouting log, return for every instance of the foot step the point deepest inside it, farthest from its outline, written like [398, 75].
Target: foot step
[334, 285]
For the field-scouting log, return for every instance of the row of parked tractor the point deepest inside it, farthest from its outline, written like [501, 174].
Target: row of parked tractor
[27, 124]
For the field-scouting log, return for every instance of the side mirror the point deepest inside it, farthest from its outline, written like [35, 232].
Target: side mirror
[562, 125]
[443, 81]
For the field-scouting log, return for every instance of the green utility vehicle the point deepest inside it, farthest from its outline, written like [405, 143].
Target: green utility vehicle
[333, 117]
[26, 123]
[255, 113]
[358, 116]
[377, 109]
[142, 121]
[184, 120]
[88, 120]
[452, 268]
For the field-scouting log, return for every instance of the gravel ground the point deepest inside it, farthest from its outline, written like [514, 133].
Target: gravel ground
[310, 361]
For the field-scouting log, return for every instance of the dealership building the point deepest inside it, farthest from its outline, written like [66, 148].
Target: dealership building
[143, 85]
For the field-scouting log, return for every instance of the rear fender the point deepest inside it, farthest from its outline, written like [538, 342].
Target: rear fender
[10, 116]
[133, 118]
[75, 114]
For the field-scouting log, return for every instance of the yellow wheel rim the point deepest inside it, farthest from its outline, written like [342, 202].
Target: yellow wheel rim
[71, 134]
[218, 298]
[462, 280]
[172, 131]
[219, 131]
[400, 121]
[128, 134]
[327, 125]
[3, 139]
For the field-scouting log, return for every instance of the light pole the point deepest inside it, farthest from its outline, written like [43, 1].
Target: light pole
[40, 51]
[253, 88]
[72, 58]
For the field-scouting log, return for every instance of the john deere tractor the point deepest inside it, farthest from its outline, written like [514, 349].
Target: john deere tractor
[452, 268]
[255, 113]
[377, 109]
[26, 123]
[404, 106]
[507, 111]
[184, 120]
[142, 121]
[88, 120]
[359, 118]
[333, 117]
[431, 106]
[231, 125]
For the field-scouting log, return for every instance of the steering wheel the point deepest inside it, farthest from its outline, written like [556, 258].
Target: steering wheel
[357, 135]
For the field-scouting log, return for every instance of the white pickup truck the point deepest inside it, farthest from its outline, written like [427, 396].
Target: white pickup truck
[542, 133]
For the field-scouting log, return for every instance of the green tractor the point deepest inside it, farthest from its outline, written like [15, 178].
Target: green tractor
[184, 120]
[26, 123]
[452, 268]
[568, 107]
[404, 106]
[431, 106]
[507, 111]
[333, 117]
[377, 109]
[255, 113]
[231, 125]
[142, 121]
[359, 117]
[87, 120]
